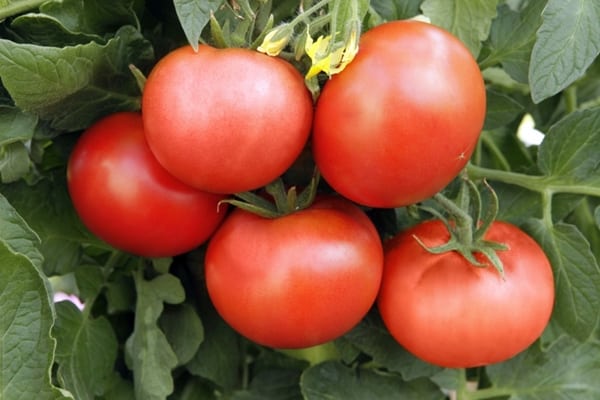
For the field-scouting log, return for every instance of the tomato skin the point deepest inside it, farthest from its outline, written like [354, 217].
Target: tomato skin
[125, 197]
[298, 280]
[225, 120]
[402, 119]
[452, 314]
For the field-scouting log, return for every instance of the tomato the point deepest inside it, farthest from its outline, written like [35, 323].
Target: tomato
[295, 281]
[450, 313]
[225, 120]
[402, 119]
[126, 198]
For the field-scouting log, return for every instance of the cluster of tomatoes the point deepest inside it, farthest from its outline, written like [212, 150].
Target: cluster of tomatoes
[392, 129]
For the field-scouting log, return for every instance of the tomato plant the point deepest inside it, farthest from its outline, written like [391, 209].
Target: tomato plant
[124, 196]
[220, 120]
[454, 314]
[374, 100]
[400, 122]
[298, 280]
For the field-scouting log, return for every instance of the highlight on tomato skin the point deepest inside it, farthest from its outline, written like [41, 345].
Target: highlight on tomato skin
[295, 281]
[401, 121]
[225, 120]
[453, 314]
[124, 196]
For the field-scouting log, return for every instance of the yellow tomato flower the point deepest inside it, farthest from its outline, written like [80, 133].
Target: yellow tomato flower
[321, 59]
[330, 62]
[275, 41]
[350, 50]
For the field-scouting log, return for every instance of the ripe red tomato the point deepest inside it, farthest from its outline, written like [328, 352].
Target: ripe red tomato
[402, 119]
[295, 281]
[225, 120]
[126, 198]
[450, 313]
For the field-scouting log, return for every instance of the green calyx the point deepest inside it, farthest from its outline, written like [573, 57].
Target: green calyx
[284, 201]
[467, 226]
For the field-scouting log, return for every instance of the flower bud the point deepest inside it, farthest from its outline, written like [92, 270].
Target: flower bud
[276, 40]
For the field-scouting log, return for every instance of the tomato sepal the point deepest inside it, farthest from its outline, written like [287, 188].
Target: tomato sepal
[467, 231]
[285, 201]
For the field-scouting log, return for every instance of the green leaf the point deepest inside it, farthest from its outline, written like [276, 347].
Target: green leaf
[45, 30]
[274, 375]
[273, 384]
[90, 281]
[332, 380]
[17, 129]
[120, 294]
[75, 85]
[193, 16]
[193, 389]
[501, 110]
[567, 43]
[566, 370]
[17, 235]
[391, 10]
[119, 389]
[150, 355]
[219, 356]
[449, 378]
[469, 20]
[517, 205]
[98, 17]
[512, 36]
[568, 156]
[9, 8]
[26, 347]
[374, 340]
[48, 210]
[79, 336]
[348, 15]
[14, 162]
[576, 274]
[597, 216]
[15, 125]
[184, 331]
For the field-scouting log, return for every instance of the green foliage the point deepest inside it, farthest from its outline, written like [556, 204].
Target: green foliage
[147, 329]
[73, 86]
[150, 355]
[78, 336]
[26, 347]
[469, 20]
[396, 9]
[194, 15]
[567, 43]
[577, 276]
[334, 380]
[568, 154]
[564, 370]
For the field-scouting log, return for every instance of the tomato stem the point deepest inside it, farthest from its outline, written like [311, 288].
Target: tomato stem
[284, 201]
[467, 232]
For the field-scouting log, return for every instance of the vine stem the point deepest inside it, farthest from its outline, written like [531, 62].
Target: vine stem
[304, 16]
[540, 184]
[571, 99]
[531, 182]
[19, 7]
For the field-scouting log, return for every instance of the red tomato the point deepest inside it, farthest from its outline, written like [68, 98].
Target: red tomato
[126, 198]
[450, 313]
[298, 280]
[225, 120]
[402, 119]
